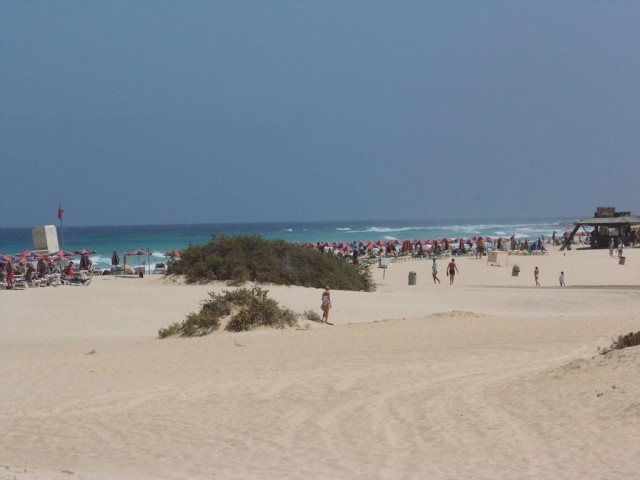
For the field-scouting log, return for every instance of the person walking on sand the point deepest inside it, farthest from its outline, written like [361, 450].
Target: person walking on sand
[536, 275]
[434, 272]
[452, 269]
[326, 305]
[561, 279]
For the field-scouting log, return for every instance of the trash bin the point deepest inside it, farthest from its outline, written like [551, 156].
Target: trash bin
[369, 286]
[412, 278]
[515, 271]
[621, 261]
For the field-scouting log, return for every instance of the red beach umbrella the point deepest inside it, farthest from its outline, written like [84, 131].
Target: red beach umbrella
[63, 253]
[137, 252]
[57, 256]
[178, 253]
[84, 251]
[27, 256]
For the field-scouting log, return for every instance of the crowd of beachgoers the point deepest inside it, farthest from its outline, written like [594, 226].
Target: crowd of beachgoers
[33, 268]
[475, 246]
[37, 269]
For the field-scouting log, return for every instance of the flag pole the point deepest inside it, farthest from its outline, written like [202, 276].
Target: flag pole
[60, 214]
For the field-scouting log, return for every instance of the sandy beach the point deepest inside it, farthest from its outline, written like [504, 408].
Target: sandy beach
[489, 378]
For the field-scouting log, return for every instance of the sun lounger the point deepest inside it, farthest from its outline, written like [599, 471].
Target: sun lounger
[35, 282]
[76, 281]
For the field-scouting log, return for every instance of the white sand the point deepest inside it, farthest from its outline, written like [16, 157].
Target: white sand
[490, 378]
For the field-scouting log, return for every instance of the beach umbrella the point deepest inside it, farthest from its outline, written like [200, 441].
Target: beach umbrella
[178, 253]
[84, 251]
[58, 257]
[115, 259]
[137, 253]
[64, 253]
[84, 262]
[4, 258]
[26, 256]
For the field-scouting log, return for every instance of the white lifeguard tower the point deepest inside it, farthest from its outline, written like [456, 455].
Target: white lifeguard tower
[45, 238]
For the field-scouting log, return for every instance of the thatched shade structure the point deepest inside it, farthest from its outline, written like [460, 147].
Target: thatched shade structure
[607, 224]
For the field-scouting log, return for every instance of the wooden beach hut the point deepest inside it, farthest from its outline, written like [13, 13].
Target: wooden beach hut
[606, 224]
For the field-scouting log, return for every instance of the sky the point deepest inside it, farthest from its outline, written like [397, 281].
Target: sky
[164, 112]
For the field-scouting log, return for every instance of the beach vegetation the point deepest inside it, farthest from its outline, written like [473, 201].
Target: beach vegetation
[313, 316]
[631, 339]
[252, 258]
[242, 309]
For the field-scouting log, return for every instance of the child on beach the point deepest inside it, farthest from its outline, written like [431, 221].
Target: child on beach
[536, 275]
[561, 279]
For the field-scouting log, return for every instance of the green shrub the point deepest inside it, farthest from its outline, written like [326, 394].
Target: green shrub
[247, 309]
[312, 315]
[195, 325]
[252, 258]
[623, 341]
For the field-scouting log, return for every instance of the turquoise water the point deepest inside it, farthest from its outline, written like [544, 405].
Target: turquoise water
[160, 239]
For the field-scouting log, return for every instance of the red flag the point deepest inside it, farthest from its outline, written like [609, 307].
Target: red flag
[60, 212]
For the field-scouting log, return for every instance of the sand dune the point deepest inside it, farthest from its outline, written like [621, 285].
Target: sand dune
[488, 378]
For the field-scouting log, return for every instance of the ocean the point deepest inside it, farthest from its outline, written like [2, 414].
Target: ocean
[159, 239]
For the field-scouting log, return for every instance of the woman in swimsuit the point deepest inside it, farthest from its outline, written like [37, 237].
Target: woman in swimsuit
[326, 305]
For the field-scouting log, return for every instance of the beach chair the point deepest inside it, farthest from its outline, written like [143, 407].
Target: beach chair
[34, 282]
[77, 281]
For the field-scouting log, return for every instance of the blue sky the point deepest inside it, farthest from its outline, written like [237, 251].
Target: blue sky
[240, 111]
